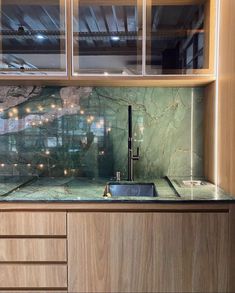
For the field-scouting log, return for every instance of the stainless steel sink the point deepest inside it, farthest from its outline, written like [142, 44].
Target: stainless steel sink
[130, 189]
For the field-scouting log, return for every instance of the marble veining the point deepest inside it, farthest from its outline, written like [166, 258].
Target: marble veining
[82, 131]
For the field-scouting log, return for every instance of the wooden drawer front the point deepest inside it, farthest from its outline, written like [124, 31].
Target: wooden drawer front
[33, 250]
[33, 276]
[32, 223]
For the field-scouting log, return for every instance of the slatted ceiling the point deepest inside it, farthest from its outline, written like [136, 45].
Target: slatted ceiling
[119, 10]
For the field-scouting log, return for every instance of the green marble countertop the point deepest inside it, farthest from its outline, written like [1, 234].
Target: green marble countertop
[84, 190]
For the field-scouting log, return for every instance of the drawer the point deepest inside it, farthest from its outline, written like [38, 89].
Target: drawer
[23, 276]
[32, 224]
[33, 250]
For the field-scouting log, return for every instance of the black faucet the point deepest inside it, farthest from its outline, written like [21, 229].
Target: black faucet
[131, 157]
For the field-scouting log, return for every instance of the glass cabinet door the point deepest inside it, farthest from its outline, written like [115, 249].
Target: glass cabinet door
[107, 37]
[178, 37]
[32, 37]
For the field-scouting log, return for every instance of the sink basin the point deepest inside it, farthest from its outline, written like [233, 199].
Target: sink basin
[130, 189]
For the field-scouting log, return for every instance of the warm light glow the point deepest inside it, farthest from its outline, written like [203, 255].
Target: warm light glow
[106, 73]
[65, 172]
[53, 106]
[41, 166]
[47, 152]
[15, 165]
[11, 114]
[191, 136]
[2, 165]
[27, 110]
[82, 112]
[15, 110]
[28, 165]
[216, 150]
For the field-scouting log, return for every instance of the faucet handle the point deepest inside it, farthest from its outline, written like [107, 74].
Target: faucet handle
[137, 156]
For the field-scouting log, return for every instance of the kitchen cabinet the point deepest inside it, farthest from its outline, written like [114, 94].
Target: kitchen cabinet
[33, 251]
[107, 37]
[180, 37]
[108, 42]
[32, 37]
[117, 247]
[148, 252]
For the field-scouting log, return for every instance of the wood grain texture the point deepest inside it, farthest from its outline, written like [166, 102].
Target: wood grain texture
[32, 224]
[138, 81]
[232, 249]
[33, 250]
[102, 207]
[147, 252]
[205, 252]
[209, 132]
[33, 276]
[226, 157]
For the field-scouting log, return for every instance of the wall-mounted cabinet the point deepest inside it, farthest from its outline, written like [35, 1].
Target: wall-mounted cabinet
[33, 37]
[107, 37]
[179, 34]
[133, 39]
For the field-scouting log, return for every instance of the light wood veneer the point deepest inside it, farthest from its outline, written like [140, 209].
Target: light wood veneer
[33, 250]
[150, 252]
[32, 224]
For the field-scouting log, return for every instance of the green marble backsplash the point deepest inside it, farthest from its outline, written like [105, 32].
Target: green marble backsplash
[82, 131]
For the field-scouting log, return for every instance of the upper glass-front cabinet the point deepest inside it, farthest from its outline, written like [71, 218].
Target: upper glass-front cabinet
[179, 35]
[107, 37]
[149, 37]
[32, 37]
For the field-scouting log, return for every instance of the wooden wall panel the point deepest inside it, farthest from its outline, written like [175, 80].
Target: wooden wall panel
[226, 81]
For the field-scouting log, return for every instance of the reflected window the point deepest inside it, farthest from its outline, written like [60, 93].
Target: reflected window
[176, 38]
[32, 36]
[107, 37]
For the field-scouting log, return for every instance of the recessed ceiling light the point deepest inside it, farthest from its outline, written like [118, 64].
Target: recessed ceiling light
[40, 37]
[115, 38]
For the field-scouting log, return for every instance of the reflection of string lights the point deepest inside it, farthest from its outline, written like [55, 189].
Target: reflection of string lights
[109, 129]
[65, 172]
[40, 108]
[89, 120]
[41, 166]
[27, 110]
[82, 112]
[28, 165]
[2, 165]
[53, 106]
[47, 152]
[11, 114]
[92, 118]
[15, 165]
[15, 110]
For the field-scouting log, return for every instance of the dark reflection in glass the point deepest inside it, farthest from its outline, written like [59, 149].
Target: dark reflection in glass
[176, 39]
[82, 131]
[32, 36]
[106, 38]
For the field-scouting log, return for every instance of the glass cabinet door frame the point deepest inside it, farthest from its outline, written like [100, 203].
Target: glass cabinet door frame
[211, 19]
[140, 45]
[44, 73]
[145, 7]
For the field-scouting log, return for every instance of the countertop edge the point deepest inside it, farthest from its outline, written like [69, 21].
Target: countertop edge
[116, 207]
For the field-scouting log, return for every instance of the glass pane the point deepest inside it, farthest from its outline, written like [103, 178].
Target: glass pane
[107, 37]
[33, 37]
[176, 39]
